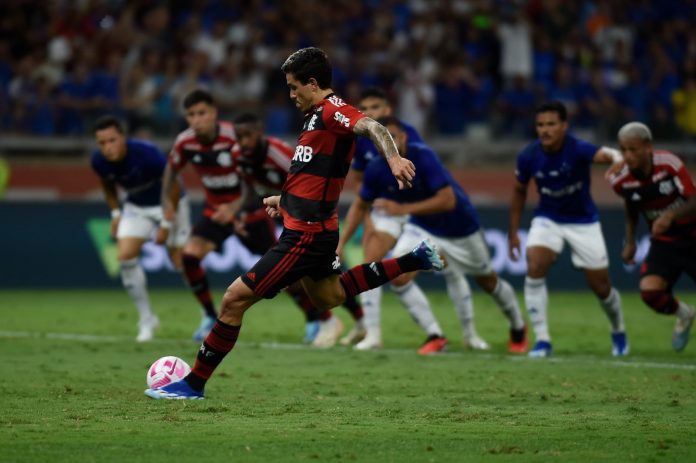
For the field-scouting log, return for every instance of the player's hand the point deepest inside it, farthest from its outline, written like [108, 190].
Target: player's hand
[628, 253]
[662, 223]
[114, 226]
[240, 225]
[388, 206]
[613, 170]
[223, 214]
[514, 247]
[272, 204]
[162, 235]
[403, 170]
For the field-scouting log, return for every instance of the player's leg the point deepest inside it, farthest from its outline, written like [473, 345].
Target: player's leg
[590, 254]
[662, 267]
[179, 234]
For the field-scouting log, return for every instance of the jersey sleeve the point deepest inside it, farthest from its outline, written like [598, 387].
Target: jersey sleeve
[586, 150]
[360, 158]
[340, 118]
[176, 157]
[369, 190]
[98, 165]
[433, 172]
[684, 182]
[522, 169]
[156, 160]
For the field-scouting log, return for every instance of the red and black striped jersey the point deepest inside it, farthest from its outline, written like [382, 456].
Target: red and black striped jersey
[266, 168]
[319, 166]
[213, 162]
[668, 187]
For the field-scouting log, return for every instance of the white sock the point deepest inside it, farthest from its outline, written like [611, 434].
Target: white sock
[536, 298]
[683, 310]
[413, 298]
[133, 278]
[612, 307]
[459, 292]
[371, 303]
[504, 296]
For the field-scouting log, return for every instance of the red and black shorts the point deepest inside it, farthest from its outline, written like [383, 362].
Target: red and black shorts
[298, 254]
[669, 259]
[260, 232]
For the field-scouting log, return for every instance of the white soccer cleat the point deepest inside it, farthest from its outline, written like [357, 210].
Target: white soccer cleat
[146, 328]
[682, 329]
[371, 342]
[355, 335]
[475, 343]
[329, 332]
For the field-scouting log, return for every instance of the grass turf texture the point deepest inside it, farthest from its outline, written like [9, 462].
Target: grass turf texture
[82, 400]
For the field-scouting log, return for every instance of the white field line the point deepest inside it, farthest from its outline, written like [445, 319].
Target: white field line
[587, 360]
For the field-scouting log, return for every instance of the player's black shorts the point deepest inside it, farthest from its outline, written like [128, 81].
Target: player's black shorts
[297, 254]
[669, 259]
[260, 235]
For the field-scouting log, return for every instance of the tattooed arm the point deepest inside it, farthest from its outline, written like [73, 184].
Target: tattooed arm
[402, 169]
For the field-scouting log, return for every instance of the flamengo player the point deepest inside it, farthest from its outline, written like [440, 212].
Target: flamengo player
[657, 184]
[306, 250]
[264, 161]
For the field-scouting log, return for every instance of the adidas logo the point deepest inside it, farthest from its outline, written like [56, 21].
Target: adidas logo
[373, 267]
[251, 276]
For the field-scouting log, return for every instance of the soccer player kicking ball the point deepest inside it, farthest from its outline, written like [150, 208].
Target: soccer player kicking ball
[306, 250]
[657, 184]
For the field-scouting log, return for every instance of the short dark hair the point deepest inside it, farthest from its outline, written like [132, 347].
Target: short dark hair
[553, 107]
[309, 62]
[373, 92]
[247, 118]
[391, 120]
[104, 122]
[198, 96]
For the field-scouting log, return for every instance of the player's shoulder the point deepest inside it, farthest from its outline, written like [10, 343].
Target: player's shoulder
[530, 150]
[138, 145]
[422, 152]
[578, 145]
[97, 160]
[667, 160]
[623, 179]
[226, 130]
[186, 136]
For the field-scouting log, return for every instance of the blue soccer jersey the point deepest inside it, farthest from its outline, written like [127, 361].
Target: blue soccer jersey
[365, 150]
[139, 173]
[431, 176]
[562, 179]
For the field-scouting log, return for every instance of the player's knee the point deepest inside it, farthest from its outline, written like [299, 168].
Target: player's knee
[488, 283]
[190, 261]
[660, 300]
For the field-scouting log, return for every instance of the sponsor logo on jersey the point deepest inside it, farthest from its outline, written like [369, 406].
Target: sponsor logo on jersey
[666, 187]
[224, 159]
[312, 122]
[341, 119]
[336, 101]
[303, 153]
[336, 263]
[220, 181]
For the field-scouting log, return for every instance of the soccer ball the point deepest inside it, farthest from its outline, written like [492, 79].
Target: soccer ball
[166, 370]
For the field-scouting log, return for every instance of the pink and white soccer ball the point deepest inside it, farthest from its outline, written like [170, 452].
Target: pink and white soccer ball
[166, 370]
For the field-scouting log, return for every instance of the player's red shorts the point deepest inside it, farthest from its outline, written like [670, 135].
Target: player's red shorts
[298, 254]
[260, 232]
[669, 259]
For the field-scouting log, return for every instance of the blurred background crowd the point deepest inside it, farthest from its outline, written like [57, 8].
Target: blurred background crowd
[472, 68]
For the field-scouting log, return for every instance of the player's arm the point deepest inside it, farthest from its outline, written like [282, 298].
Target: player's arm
[111, 196]
[631, 223]
[170, 192]
[607, 155]
[519, 197]
[444, 200]
[355, 216]
[667, 218]
[402, 169]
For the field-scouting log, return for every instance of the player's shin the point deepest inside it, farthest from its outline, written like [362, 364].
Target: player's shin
[219, 342]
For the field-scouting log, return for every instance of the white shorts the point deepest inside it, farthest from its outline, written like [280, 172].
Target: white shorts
[467, 255]
[140, 222]
[390, 224]
[585, 240]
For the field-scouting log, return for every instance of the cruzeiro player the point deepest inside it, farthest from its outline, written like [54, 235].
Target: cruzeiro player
[306, 250]
[560, 166]
[137, 166]
[264, 161]
[437, 209]
[656, 184]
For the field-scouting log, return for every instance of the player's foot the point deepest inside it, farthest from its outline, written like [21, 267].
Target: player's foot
[432, 345]
[371, 342]
[311, 329]
[146, 328]
[518, 341]
[204, 329]
[428, 255]
[541, 349]
[682, 329]
[474, 342]
[179, 390]
[619, 344]
[355, 335]
[329, 332]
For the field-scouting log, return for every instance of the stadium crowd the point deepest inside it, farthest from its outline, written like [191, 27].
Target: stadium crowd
[452, 67]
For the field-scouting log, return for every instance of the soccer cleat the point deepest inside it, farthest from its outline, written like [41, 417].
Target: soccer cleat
[432, 345]
[619, 344]
[682, 329]
[428, 255]
[204, 328]
[179, 390]
[474, 342]
[541, 349]
[310, 331]
[146, 329]
[518, 341]
[355, 335]
[371, 342]
[329, 332]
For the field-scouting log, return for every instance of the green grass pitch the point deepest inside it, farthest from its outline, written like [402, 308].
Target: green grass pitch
[73, 379]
